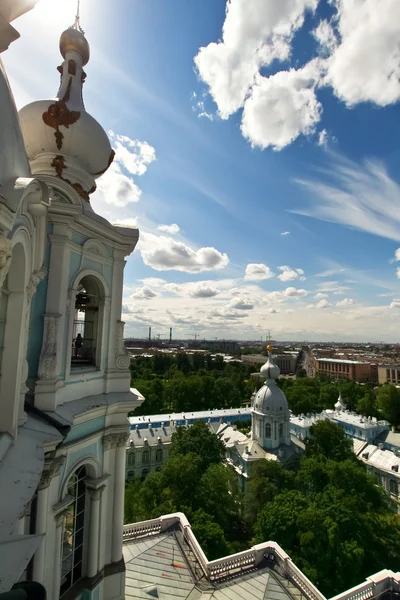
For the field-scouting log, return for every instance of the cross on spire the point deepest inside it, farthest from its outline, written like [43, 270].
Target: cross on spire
[77, 24]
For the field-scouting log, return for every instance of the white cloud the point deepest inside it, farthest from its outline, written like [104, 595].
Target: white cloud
[145, 293]
[128, 222]
[170, 229]
[364, 66]
[285, 233]
[292, 292]
[330, 272]
[325, 36]
[358, 58]
[281, 107]
[202, 290]
[164, 254]
[362, 197]
[255, 33]
[397, 255]
[115, 186]
[322, 304]
[345, 302]
[395, 304]
[153, 281]
[398, 272]
[242, 303]
[133, 155]
[333, 287]
[289, 274]
[258, 271]
[320, 295]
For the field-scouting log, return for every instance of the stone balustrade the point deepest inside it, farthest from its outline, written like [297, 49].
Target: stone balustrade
[373, 587]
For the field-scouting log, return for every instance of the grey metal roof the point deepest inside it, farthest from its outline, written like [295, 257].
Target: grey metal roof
[158, 567]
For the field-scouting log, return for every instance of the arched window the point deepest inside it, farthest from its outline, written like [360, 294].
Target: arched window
[159, 455]
[86, 334]
[145, 457]
[131, 459]
[74, 525]
[280, 430]
[145, 472]
[268, 430]
[131, 474]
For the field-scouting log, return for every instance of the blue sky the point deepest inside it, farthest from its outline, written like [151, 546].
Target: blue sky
[232, 128]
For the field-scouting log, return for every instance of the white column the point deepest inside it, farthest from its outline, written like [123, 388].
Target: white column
[57, 555]
[94, 529]
[41, 527]
[119, 492]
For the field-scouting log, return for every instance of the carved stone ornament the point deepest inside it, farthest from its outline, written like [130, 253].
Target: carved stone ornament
[113, 440]
[5, 258]
[122, 359]
[48, 357]
[51, 471]
[58, 114]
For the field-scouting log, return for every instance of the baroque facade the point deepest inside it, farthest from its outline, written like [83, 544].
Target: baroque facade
[64, 371]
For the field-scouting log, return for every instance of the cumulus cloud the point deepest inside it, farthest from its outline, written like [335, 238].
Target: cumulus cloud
[358, 58]
[242, 303]
[289, 274]
[281, 107]
[285, 233]
[397, 255]
[292, 292]
[395, 304]
[345, 302]
[164, 254]
[364, 65]
[132, 157]
[202, 290]
[255, 33]
[320, 295]
[258, 271]
[144, 293]
[170, 229]
[398, 272]
[322, 304]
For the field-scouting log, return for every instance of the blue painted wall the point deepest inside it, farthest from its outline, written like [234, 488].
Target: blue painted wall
[84, 429]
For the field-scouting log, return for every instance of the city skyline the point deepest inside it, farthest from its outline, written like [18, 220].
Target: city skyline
[280, 217]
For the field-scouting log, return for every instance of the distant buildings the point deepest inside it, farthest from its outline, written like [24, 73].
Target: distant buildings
[286, 361]
[354, 370]
[389, 374]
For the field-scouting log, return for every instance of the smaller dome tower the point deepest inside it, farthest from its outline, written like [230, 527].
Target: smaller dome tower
[270, 410]
[340, 405]
[62, 139]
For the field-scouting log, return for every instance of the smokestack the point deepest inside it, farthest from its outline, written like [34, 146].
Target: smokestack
[170, 334]
[149, 334]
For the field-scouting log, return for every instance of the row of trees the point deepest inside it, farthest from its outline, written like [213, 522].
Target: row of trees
[329, 515]
[199, 382]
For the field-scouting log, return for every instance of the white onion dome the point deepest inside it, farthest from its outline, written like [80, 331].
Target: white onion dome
[270, 400]
[61, 138]
[340, 405]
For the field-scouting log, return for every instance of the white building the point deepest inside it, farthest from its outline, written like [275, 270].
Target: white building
[65, 381]
[355, 426]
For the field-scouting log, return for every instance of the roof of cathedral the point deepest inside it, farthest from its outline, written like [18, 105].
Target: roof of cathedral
[161, 567]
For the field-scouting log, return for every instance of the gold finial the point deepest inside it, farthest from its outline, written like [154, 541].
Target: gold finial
[269, 348]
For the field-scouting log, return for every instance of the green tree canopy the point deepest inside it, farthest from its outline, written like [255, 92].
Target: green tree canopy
[389, 403]
[329, 440]
[198, 439]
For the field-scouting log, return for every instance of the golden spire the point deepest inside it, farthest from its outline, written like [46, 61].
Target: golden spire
[77, 24]
[269, 347]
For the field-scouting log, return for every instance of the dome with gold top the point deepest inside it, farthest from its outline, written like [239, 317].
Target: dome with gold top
[61, 138]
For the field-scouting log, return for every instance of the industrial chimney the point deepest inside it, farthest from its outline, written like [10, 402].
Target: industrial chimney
[170, 334]
[149, 334]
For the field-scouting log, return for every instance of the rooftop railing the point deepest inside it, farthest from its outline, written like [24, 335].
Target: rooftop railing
[229, 565]
[214, 570]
